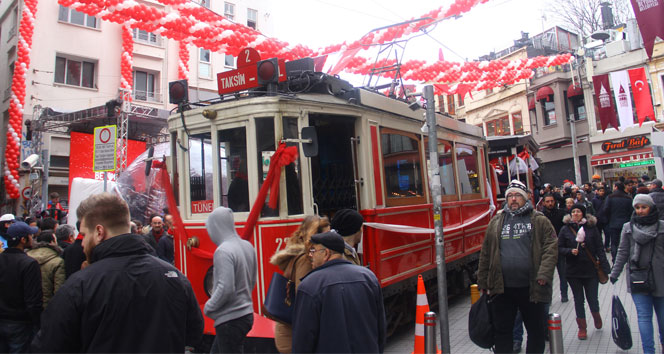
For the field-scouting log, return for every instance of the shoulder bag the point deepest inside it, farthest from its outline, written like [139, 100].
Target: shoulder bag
[641, 278]
[480, 323]
[280, 297]
[603, 278]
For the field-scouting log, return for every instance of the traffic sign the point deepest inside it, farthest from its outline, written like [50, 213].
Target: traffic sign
[105, 148]
[26, 193]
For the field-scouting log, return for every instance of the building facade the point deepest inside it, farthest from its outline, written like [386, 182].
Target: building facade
[76, 65]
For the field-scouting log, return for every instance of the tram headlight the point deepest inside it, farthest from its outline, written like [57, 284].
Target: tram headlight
[208, 281]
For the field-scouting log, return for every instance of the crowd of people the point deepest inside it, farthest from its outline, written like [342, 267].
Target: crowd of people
[574, 230]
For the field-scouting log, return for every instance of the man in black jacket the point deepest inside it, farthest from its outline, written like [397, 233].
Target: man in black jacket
[617, 211]
[20, 291]
[73, 255]
[657, 195]
[556, 215]
[125, 300]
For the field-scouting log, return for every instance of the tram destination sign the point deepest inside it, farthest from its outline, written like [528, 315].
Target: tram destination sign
[237, 80]
[628, 143]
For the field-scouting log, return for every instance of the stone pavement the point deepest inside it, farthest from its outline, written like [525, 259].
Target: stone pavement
[599, 341]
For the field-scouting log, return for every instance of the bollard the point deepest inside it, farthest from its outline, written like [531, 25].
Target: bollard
[556, 334]
[474, 294]
[430, 333]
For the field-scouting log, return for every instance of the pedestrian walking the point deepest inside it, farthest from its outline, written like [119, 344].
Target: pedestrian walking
[657, 195]
[578, 241]
[294, 262]
[73, 255]
[556, 216]
[581, 199]
[339, 306]
[642, 246]
[348, 224]
[46, 252]
[234, 278]
[166, 248]
[21, 294]
[152, 237]
[125, 300]
[516, 267]
[5, 222]
[617, 211]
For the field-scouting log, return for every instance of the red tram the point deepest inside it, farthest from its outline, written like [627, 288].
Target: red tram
[371, 156]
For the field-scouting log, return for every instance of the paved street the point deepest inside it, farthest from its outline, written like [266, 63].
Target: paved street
[599, 341]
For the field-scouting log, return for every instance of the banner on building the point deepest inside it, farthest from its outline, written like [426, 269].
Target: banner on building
[649, 14]
[620, 81]
[641, 92]
[603, 101]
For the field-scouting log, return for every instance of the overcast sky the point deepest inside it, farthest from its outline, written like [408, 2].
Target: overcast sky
[490, 26]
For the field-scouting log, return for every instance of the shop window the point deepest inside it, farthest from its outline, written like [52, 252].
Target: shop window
[549, 109]
[200, 173]
[293, 171]
[468, 170]
[252, 16]
[579, 108]
[441, 103]
[491, 128]
[450, 104]
[74, 72]
[517, 121]
[233, 169]
[498, 127]
[229, 61]
[402, 167]
[265, 149]
[229, 11]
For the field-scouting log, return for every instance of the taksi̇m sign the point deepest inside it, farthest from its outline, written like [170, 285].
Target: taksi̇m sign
[628, 143]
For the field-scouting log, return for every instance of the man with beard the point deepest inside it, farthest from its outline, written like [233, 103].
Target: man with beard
[21, 294]
[125, 300]
[517, 261]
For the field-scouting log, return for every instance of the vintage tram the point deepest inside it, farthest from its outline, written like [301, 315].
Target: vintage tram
[371, 156]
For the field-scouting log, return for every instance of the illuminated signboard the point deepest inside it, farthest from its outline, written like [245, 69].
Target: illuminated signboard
[637, 163]
[629, 143]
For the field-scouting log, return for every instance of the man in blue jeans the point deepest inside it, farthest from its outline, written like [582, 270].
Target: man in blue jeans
[21, 294]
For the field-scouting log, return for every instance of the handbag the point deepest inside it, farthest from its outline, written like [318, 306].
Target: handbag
[480, 324]
[620, 332]
[280, 297]
[641, 278]
[603, 278]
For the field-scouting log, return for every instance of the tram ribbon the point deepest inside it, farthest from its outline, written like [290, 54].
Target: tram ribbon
[422, 230]
[284, 156]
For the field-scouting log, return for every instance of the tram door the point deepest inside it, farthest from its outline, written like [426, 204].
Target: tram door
[332, 170]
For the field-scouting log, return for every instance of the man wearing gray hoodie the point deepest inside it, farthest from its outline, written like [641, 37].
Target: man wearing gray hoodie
[230, 305]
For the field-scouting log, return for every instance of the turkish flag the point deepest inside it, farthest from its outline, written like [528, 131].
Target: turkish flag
[641, 92]
[604, 102]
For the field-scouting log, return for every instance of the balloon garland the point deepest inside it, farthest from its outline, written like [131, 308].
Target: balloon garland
[126, 61]
[183, 60]
[14, 128]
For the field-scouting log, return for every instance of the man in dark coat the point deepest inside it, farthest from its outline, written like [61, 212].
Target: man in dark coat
[157, 231]
[657, 195]
[617, 211]
[339, 305]
[599, 202]
[20, 291]
[125, 300]
[73, 255]
[556, 215]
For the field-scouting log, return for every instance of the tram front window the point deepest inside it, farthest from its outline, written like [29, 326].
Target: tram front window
[293, 177]
[265, 149]
[401, 162]
[233, 169]
[200, 173]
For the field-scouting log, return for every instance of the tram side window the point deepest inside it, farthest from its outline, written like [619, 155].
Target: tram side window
[446, 167]
[233, 169]
[200, 173]
[265, 147]
[293, 172]
[402, 165]
[468, 169]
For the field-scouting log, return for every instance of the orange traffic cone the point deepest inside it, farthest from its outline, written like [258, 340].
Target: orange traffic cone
[422, 308]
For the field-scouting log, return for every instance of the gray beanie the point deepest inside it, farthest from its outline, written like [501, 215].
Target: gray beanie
[643, 199]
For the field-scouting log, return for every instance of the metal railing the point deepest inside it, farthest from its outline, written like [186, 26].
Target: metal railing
[148, 96]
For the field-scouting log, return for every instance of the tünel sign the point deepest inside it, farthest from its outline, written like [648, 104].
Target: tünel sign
[629, 143]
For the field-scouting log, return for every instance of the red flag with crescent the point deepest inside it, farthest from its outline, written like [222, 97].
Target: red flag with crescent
[641, 92]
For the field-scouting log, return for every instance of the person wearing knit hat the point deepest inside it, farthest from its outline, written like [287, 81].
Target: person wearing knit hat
[517, 260]
[348, 224]
[580, 207]
[640, 247]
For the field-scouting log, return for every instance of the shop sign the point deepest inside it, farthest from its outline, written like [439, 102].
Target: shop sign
[628, 143]
[637, 163]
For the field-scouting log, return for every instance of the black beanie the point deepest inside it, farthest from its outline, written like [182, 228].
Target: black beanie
[580, 207]
[347, 222]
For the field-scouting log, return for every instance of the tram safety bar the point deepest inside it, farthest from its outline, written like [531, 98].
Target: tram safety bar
[430, 333]
[555, 327]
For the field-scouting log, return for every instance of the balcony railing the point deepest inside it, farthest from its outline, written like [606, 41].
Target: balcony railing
[541, 72]
[147, 96]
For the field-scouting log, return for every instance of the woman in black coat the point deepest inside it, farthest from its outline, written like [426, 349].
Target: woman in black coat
[581, 272]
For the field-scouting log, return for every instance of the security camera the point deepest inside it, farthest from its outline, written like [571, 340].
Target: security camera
[30, 162]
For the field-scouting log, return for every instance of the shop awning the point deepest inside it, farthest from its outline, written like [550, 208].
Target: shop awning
[531, 104]
[622, 156]
[544, 93]
[574, 91]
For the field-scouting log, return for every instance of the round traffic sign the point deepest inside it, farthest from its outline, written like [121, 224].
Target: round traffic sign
[26, 193]
[105, 135]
